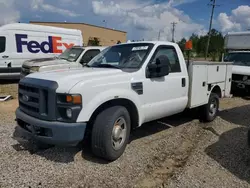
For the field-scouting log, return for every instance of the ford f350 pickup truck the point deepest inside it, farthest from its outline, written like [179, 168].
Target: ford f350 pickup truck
[123, 87]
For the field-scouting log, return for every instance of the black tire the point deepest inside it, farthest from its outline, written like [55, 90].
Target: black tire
[102, 133]
[206, 114]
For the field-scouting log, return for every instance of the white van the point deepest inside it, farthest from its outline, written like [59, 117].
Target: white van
[20, 42]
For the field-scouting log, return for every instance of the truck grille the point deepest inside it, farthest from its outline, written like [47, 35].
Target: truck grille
[237, 77]
[37, 100]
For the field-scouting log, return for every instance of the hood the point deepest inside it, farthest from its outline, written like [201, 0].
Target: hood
[44, 62]
[68, 78]
[242, 70]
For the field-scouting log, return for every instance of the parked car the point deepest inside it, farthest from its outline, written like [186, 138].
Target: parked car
[238, 46]
[120, 89]
[74, 57]
[20, 42]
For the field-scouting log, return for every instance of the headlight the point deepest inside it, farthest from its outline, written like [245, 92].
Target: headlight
[69, 107]
[34, 69]
[74, 99]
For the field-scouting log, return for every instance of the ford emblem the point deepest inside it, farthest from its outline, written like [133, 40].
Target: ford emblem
[25, 98]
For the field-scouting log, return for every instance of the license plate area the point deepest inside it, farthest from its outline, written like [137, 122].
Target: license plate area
[35, 130]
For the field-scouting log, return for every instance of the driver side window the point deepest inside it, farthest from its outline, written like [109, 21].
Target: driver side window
[171, 55]
[89, 55]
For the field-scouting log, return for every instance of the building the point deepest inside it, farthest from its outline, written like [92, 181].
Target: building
[91, 34]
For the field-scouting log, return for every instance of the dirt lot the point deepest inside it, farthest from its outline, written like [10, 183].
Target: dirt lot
[175, 152]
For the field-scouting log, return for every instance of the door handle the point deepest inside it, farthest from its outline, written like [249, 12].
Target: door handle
[5, 56]
[183, 82]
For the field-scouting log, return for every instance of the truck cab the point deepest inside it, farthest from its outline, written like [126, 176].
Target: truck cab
[74, 57]
[237, 46]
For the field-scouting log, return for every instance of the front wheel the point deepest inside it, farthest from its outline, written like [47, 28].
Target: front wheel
[210, 110]
[110, 133]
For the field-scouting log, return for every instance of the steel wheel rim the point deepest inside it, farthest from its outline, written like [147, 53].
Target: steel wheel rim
[119, 133]
[213, 107]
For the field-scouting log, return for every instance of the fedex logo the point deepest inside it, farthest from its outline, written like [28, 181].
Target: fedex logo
[51, 46]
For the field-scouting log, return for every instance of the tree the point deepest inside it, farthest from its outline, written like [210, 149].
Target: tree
[194, 38]
[94, 42]
[216, 46]
[182, 43]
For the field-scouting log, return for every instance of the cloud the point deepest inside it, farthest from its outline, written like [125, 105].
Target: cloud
[42, 6]
[69, 2]
[148, 18]
[237, 21]
[9, 14]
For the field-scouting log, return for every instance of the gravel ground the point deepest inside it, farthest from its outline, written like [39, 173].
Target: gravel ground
[9, 87]
[174, 152]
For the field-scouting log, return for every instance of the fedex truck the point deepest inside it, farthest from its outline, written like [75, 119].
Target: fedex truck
[20, 42]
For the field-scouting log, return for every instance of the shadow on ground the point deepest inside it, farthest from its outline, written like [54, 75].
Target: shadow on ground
[231, 151]
[66, 155]
[9, 81]
[238, 115]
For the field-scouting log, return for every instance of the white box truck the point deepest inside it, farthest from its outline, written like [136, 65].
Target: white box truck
[237, 45]
[119, 90]
[20, 42]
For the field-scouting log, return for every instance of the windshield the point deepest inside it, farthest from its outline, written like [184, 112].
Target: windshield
[241, 58]
[122, 56]
[71, 54]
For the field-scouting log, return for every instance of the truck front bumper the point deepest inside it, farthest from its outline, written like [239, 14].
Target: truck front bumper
[54, 133]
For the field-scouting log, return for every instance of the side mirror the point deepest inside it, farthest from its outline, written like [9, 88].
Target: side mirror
[160, 68]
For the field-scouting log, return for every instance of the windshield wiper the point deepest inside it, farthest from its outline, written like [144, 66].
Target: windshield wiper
[106, 66]
[64, 58]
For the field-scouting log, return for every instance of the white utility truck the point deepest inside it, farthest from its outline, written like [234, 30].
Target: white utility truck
[74, 57]
[20, 42]
[237, 45]
[123, 87]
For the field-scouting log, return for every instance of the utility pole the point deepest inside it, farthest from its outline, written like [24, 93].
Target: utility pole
[173, 30]
[210, 26]
[159, 35]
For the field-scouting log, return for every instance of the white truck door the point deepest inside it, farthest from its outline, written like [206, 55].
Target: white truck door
[166, 95]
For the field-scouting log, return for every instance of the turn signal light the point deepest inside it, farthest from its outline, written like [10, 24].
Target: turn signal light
[75, 99]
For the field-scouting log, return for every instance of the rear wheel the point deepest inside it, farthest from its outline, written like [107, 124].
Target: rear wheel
[110, 133]
[210, 110]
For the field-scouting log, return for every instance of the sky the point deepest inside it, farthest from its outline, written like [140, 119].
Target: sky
[142, 19]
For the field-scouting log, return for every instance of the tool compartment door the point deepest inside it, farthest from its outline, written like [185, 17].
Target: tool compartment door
[198, 85]
[216, 73]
